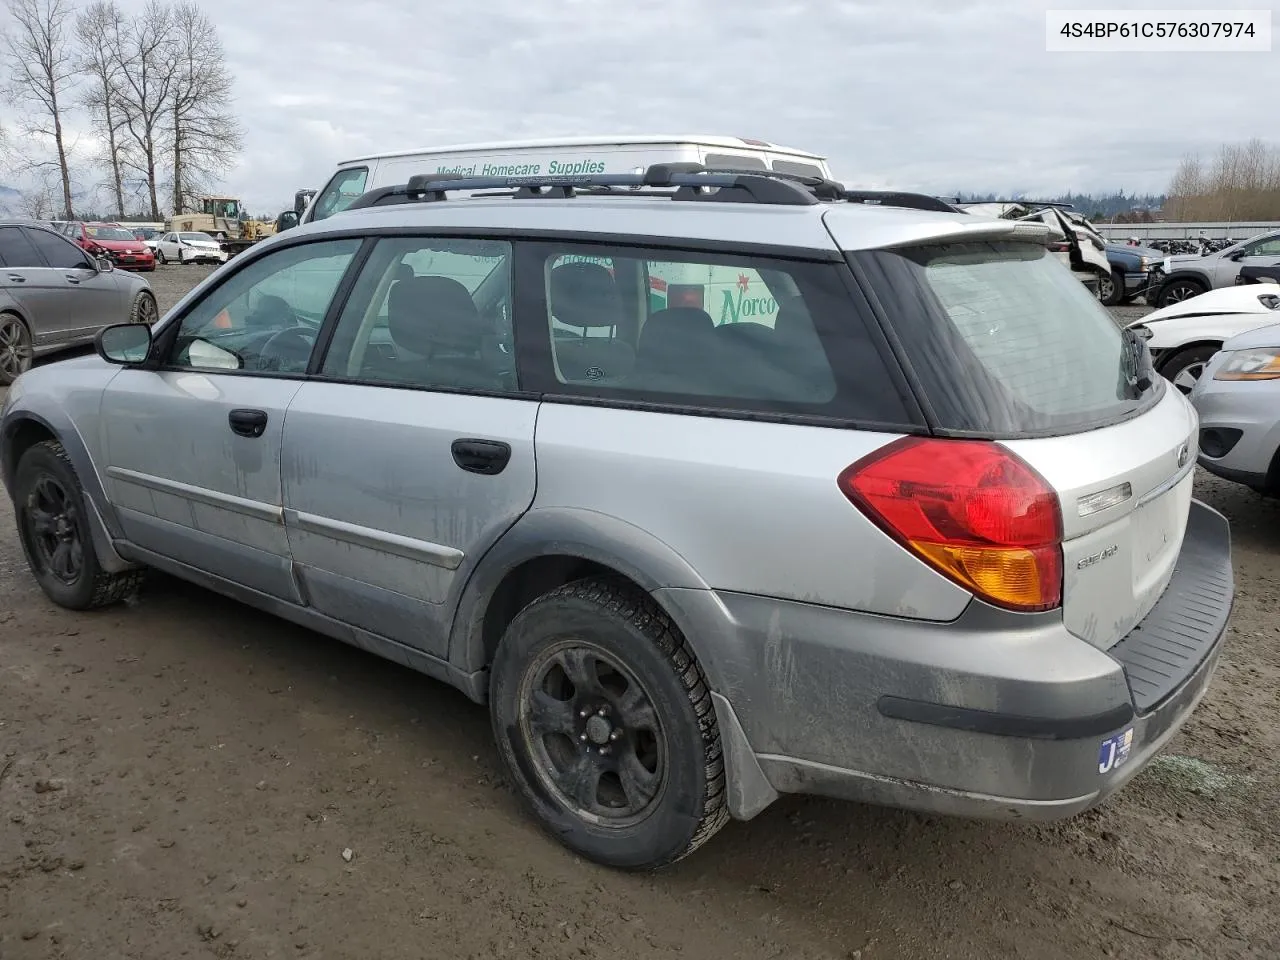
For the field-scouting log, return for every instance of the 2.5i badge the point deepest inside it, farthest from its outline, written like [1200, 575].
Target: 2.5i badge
[1115, 751]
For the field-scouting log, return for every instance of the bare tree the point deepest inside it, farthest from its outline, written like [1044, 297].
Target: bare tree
[144, 53]
[1241, 183]
[205, 135]
[42, 73]
[99, 28]
[41, 200]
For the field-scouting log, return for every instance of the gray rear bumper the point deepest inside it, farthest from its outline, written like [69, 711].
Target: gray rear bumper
[995, 714]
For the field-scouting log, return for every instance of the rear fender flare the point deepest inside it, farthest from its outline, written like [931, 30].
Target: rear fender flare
[566, 531]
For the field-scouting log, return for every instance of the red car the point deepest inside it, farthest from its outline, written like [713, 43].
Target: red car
[111, 240]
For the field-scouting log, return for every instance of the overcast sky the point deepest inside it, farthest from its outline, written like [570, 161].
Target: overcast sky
[937, 95]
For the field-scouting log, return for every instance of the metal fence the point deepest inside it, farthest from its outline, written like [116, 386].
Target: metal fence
[1187, 231]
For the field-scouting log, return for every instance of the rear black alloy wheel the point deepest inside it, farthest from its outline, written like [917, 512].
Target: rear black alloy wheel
[55, 533]
[595, 738]
[15, 348]
[605, 724]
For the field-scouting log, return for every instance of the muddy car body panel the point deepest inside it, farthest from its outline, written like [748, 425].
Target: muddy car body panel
[421, 489]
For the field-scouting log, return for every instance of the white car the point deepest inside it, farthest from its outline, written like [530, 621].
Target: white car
[1184, 335]
[189, 248]
[1074, 240]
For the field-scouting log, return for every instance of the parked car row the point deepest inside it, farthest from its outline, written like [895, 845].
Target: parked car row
[1190, 275]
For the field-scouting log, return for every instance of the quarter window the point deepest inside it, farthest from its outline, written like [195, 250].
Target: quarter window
[741, 333]
[429, 312]
[265, 317]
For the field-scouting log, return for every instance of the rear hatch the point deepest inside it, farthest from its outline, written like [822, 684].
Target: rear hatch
[1007, 346]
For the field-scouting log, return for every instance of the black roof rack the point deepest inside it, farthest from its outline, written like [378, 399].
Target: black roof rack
[898, 198]
[675, 181]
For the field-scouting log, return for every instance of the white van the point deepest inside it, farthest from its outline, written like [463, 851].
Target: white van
[564, 157]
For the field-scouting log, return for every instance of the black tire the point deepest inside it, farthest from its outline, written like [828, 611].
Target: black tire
[144, 309]
[657, 713]
[160, 256]
[1183, 368]
[1178, 289]
[81, 583]
[16, 350]
[1111, 288]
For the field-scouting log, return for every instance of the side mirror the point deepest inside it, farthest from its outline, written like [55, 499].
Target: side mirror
[104, 264]
[1239, 255]
[286, 221]
[124, 343]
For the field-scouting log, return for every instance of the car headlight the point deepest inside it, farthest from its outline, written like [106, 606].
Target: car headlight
[1146, 263]
[1262, 364]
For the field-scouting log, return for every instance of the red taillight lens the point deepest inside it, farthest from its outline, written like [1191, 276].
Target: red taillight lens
[1060, 247]
[970, 509]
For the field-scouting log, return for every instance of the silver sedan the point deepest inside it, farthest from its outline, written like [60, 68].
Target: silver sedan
[54, 295]
[1238, 399]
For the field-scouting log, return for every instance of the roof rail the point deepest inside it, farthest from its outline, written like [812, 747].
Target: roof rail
[898, 198]
[690, 181]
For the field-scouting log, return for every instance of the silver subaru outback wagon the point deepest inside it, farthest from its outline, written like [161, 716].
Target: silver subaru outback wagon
[712, 485]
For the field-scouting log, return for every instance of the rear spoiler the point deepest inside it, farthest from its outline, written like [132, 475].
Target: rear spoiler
[957, 231]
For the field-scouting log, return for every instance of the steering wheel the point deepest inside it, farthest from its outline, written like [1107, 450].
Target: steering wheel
[290, 349]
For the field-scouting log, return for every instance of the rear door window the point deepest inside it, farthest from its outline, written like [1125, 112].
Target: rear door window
[735, 333]
[1006, 341]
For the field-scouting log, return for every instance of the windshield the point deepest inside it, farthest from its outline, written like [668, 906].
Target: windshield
[1007, 342]
[196, 238]
[110, 233]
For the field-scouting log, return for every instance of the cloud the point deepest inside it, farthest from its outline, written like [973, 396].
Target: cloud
[934, 95]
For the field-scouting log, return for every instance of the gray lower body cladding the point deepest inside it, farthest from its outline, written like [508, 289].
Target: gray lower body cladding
[994, 714]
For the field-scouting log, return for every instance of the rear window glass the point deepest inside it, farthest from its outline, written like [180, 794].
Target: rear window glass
[1006, 340]
[734, 161]
[799, 169]
[710, 330]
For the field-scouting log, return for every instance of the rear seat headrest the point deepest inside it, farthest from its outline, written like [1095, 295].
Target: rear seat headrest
[584, 295]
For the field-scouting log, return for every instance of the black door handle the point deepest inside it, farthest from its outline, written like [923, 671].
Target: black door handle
[71, 279]
[17, 278]
[487, 457]
[248, 423]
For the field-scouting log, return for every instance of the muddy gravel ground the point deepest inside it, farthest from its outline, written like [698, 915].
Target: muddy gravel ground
[182, 776]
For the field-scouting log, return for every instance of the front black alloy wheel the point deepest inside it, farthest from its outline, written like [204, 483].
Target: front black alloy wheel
[605, 724]
[52, 521]
[55, 533]
[1176, 291]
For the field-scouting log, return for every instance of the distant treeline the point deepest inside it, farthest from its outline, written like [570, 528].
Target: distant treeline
[1119, 207]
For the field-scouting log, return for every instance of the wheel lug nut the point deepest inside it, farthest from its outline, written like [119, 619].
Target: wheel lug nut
[582, 737]
[603, 751]
[602, 711]
[583, 713]
[615, 735]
